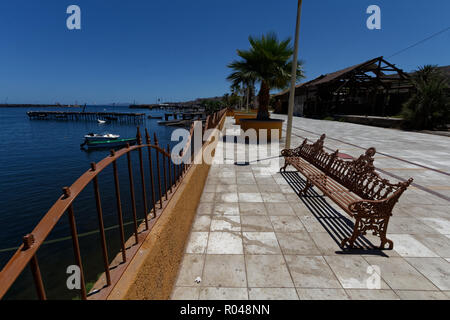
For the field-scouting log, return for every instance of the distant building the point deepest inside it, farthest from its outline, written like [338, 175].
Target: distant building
[374, 87]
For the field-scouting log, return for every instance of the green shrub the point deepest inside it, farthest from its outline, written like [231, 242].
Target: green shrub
[428, 108]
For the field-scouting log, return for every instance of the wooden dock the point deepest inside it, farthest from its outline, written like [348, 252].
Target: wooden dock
[86, 116]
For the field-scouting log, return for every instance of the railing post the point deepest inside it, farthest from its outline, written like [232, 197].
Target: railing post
[150, 162]
[119, 207]
[28, 241]
[165, 175]
[76, 245]
[158, 169]
[101, 225]
[133, 199]
[141, 167]
[169, 164]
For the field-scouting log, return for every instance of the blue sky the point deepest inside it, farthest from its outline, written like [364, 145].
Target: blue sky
[178, 49]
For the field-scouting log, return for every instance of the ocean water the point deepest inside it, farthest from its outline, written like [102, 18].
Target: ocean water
[38, 158]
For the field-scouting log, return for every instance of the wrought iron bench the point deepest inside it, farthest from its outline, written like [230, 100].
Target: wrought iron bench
[353, 185]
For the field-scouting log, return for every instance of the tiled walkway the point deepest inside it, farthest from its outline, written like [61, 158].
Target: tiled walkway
[254, 238]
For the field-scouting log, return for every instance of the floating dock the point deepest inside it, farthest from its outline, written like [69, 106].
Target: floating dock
[86, 116]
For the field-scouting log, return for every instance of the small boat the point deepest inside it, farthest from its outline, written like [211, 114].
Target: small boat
[155, 117]
[101, 121]
[111, 143]
[100, 137]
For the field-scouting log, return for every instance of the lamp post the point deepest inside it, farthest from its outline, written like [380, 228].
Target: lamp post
[293, 79]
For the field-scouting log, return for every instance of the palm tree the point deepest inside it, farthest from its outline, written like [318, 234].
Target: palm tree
[268, 62]
[247, 81]
[429, 106]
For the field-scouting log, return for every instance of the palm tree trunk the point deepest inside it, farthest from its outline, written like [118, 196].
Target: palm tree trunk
[263, 99]
[248, 96]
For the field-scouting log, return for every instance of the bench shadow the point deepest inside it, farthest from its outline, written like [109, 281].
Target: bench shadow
[335, 224]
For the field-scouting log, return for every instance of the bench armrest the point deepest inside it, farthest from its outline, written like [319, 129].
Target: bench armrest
[369, 208]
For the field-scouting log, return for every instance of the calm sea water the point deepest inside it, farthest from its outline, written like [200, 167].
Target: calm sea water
[38, 158]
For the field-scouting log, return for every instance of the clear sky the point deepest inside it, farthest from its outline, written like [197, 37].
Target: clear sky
[177, 49]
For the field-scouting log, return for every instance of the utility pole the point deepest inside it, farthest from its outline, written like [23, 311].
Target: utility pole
[293, 79]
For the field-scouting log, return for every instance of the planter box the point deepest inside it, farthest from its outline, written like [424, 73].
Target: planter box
[257, 125]
[230, 113]
[239, 116]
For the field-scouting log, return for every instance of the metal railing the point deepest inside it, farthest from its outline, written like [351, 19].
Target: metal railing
[167, 181]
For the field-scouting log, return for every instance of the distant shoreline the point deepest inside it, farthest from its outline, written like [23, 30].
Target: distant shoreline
[38, 105]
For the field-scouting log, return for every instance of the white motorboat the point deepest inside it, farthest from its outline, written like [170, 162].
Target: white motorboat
[101, 121]
[101, 137]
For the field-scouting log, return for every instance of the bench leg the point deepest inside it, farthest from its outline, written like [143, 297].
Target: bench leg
[379, 228]
[382, 231]
[307, 187]
[286, 163]
[355, 234]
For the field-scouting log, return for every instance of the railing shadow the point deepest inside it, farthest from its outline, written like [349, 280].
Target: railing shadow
[334, 223]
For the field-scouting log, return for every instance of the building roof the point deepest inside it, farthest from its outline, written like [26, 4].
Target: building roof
[372, 65]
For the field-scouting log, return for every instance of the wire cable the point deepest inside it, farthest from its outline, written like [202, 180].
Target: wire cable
[420, 42]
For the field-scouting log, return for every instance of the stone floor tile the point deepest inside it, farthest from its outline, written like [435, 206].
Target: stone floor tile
[407, 246]
[250, 197]
[226, 223]
[225, 243]
[322, 294]
[191, 268]
[201, 223]
[207, 197]
[288, 190]
[325, 243]
[245, 180]
[226, 209]
[300, 208]
[409, 225]
[260, 243]
[399, 274]
[425, 211]
[197, 242]
[252, 209]
[265, 180]
[267, 271]
[205, 208]
[438, 243]
[356, 294]
[437, 270]
[441, 225]
[226, 188]
[311, 224]
[251, 188]
[279, 209]
[264, 188]
[226, 197]
[311, 272]
[297, 243]
[353, 272]
[273, 197]
[421, 295]
[213, 293]
[185, 293]
[286, 224]
[224, 271]
[256, 223]
[272, 294]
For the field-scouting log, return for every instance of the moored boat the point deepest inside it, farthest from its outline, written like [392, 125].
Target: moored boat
[115, 143]
[101, 137]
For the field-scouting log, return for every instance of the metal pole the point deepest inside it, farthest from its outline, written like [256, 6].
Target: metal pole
[293, 79]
